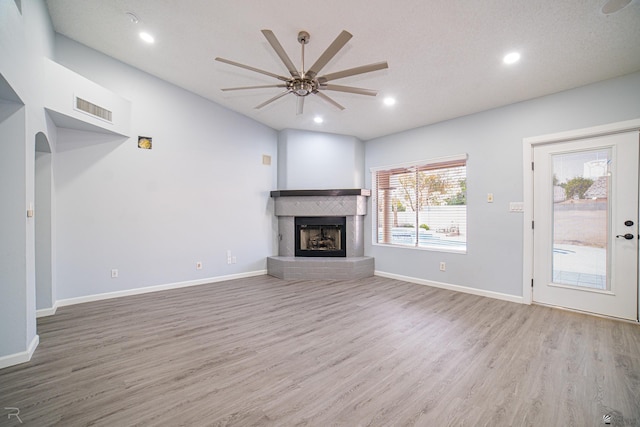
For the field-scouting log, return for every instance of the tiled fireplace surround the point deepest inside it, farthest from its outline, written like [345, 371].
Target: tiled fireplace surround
[350, 203]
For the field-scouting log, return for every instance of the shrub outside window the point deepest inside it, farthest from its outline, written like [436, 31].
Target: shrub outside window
[422, 204]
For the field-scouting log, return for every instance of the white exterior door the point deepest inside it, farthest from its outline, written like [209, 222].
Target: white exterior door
[585, 224]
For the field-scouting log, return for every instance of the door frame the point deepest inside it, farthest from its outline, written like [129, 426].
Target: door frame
[528, 145]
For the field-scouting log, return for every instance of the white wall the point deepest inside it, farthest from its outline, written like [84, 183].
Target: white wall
[13, 262]
[45, 284]
[25, 39]
[319, 161]
[493, 140]
[152, 214]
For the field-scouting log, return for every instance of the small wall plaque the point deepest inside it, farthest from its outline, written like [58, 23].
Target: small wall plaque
[144, 142]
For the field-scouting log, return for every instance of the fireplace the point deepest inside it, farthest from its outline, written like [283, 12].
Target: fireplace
[320, 235]
[324, 236]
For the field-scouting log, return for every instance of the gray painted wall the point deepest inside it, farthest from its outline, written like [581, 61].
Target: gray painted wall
[152, 214]
[13, 263]
[318, 161]
[26, 37]
[45, 292]
[493, 141]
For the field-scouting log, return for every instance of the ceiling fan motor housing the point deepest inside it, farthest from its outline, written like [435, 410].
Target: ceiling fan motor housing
[302, 86]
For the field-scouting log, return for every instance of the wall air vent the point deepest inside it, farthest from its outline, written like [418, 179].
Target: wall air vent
[93, 109]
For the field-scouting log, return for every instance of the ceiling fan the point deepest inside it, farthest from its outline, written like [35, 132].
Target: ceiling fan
[306, 82]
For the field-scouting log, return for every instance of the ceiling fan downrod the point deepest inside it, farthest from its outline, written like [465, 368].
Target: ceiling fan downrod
[303, 38]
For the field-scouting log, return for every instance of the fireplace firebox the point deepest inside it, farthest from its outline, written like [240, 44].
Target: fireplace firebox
[324, 236]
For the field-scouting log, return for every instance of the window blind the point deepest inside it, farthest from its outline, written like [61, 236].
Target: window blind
[422, 204]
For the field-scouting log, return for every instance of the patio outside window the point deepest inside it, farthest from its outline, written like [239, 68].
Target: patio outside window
[422, 204]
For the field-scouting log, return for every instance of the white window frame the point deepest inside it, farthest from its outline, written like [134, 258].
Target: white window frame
[374, 201]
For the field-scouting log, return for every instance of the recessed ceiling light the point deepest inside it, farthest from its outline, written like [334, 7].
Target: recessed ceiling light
[389, 101]
[511, 58]
[147, 37]
[318, 119]
[612, 6]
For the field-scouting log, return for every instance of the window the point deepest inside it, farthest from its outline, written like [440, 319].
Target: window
[422, 204]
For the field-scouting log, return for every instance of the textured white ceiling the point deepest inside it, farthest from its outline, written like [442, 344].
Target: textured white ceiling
[445, 56]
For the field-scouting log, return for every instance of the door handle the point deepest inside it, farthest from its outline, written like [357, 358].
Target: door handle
[627, 236]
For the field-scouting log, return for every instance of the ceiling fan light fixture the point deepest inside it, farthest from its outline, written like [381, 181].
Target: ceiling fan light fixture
[302, 87]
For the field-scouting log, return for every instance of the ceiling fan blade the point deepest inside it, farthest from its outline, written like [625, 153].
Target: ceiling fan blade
[331, 51]
[329, 100]
[300, 105]
[269, 101]
[247, 67]
[275, 44]
[252, 87]
[349, 89]
[353, 71]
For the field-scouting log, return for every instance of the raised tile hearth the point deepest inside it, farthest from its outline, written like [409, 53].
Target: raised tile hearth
[297, 268]
[350, 204]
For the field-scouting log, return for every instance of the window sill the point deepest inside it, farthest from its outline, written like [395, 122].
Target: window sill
[424, 248]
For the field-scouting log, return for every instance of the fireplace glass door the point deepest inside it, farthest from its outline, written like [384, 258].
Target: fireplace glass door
[320, 236]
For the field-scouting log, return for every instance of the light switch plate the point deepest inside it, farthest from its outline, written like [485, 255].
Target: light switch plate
[516, 207]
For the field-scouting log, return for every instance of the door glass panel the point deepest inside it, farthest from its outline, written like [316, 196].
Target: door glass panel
[580, 218]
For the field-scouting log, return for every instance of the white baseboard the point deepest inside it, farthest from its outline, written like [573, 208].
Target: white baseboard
[157, 288]
[457, 288]
[22, 357]
[44, 312]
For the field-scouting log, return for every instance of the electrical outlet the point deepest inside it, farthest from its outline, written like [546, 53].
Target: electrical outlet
[490, 198]
[199, 265]
[233, 260]
[114, 273]
[443, 266]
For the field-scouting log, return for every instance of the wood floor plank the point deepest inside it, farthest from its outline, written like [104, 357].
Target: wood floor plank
[371, 352]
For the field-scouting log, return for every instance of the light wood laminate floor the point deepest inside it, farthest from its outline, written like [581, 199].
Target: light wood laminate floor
[370, 352]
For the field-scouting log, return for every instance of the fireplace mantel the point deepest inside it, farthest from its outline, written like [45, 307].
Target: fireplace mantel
[341, 192]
